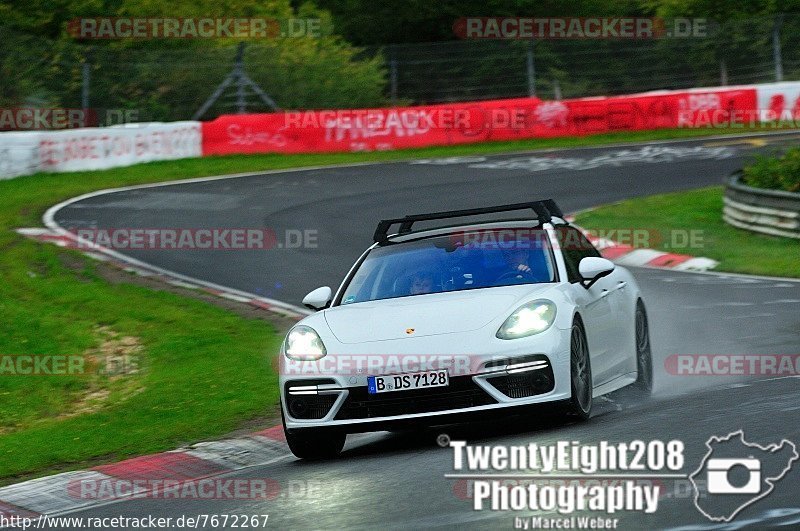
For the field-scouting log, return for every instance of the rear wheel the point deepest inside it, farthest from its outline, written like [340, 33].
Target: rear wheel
[580, 404]
[310, 443]
[644, 358]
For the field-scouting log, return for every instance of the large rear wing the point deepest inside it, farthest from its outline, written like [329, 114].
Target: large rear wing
[544, 210]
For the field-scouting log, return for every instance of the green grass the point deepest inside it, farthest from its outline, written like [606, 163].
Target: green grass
[204, 371]
[738, 251]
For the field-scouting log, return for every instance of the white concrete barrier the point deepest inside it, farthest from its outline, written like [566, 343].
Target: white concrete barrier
[25, 153]
[778, 101]
[19, 154]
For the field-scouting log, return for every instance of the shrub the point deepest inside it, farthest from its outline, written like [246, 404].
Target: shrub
[777, 173]
[41, 65]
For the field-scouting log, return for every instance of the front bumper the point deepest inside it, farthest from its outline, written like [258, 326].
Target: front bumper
[341, 402]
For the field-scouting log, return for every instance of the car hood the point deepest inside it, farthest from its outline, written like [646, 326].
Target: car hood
[427, 315]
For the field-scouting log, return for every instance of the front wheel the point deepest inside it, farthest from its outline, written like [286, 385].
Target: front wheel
[580, 404]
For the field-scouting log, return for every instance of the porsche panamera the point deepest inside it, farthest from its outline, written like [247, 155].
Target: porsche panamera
[436, 325]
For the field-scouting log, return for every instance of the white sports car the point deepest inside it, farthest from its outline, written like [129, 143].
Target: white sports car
[436, 325]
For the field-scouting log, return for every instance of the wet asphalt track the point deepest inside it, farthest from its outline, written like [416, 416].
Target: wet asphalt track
[397, 480]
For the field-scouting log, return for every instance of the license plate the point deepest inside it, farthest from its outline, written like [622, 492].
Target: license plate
[407, 382]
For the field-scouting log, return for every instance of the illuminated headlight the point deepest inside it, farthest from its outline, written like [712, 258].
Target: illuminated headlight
[532, 318]
[303, 344]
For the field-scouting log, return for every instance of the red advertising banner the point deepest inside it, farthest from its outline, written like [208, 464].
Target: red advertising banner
[410, 127]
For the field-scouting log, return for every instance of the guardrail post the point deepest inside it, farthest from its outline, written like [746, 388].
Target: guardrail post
[86, 75]
[238, 68]
[393, 75]
[531, 67]
[776, 47]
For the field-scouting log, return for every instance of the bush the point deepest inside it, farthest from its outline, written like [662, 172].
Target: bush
[41, 65]
[777, 173]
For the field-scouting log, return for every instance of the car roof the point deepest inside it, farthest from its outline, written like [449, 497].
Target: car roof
[544, 209]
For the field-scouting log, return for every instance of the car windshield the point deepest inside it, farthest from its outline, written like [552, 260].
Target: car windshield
[454, 262]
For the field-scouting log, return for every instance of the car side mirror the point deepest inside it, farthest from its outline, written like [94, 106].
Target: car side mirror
[319, 299]
[593, 268]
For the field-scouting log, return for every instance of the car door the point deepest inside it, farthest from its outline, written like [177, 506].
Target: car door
[622, 356]
[597, 304]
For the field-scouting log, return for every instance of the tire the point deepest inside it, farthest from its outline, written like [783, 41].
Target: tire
[580, 402]
[643, 386]
[313, 444]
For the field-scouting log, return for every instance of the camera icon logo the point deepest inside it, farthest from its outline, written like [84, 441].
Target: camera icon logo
[736, 473]
[719, 471]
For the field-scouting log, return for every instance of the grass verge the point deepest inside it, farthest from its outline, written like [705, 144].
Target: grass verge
[200, 371]
[738, 251]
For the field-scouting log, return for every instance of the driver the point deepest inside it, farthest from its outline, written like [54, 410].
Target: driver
[517, 262]
[421, 283]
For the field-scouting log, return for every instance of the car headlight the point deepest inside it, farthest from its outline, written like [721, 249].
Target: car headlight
[303, 344]
[529, 319]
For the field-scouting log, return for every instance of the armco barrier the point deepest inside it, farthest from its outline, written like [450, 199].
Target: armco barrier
[413, 127]
[97, 148]
[772, 212]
